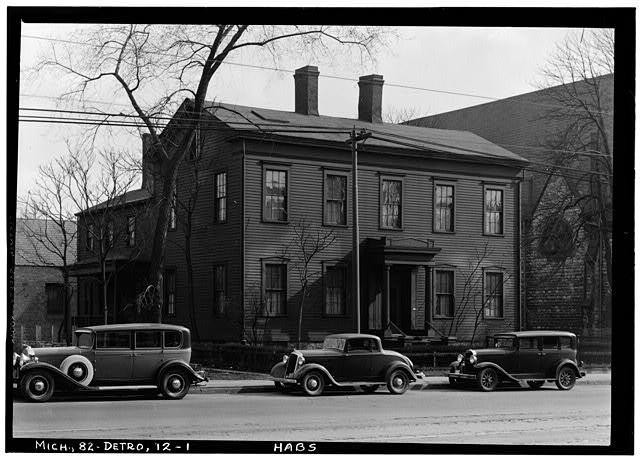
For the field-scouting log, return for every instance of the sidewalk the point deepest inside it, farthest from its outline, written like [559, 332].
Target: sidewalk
[217, 385]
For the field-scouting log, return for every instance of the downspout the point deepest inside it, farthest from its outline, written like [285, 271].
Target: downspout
[242, 238]
[521, 269]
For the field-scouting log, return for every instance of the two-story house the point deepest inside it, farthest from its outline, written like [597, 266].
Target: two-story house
[439, 220]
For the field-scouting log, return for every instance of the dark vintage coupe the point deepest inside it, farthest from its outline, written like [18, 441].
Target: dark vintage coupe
[345, 360]
[109, 356]
[531, 357]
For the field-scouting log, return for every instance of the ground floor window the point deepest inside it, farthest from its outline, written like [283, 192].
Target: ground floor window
[335, 298]
[493, 295]
[170, 292]
[55, 298]
[444, 306]
[275, 288]
[219, 282]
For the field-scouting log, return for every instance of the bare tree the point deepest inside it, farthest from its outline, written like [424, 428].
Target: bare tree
[307, 243]
[50, 229]
[579, 77]
[185, 59]
[96, 185]
[405, 115]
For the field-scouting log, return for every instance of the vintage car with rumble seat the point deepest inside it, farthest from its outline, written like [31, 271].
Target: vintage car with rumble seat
[111, 356]
[349, 360]
[533, 357]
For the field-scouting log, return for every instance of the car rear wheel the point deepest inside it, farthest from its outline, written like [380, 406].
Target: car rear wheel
[313, 383]
[398, 382]
[37, 386]
[488, 379]
[566, 378]
[174, 384]
[78, 368]
[535, 384]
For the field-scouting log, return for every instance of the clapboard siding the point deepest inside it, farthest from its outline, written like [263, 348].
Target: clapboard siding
[212, 243]
[306, 173]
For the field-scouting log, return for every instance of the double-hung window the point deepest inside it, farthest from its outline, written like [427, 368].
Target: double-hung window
[170, 291]
[335, 300]
[219, 283]
[493, 211]
[131, 230]
[444, 288]
[335, 199]
[493, 295]
[172, 211]
[275, 195]
[275, 288]
[443, 208]
[221, 197]
[390, 203]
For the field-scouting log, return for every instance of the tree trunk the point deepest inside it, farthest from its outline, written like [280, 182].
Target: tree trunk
[67, 306]
[301, 308]
[190, 287]
[103, 270]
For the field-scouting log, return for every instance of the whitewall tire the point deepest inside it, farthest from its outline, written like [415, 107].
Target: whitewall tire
[78, 368]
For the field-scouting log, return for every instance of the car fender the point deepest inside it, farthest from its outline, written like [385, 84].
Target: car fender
[195, 377]
[570, 363]
[401, 365]
[306, 368]
[58, 376]
[278, 370]
[497, 367]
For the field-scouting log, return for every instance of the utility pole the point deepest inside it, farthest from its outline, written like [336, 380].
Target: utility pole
[355, 265]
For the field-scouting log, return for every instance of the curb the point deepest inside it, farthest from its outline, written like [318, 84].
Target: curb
[268, 387]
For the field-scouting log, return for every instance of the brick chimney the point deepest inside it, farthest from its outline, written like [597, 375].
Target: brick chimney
[370, 100]
[306, 82]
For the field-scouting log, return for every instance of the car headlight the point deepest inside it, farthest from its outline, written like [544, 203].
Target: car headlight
[285, 358]
[473, 358]
[300, 360]
[459, 358]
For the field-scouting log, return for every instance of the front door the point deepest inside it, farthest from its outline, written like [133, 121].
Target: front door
[358, 359]
[400, 294]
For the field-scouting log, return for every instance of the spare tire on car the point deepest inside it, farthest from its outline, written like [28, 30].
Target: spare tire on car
[78, 368]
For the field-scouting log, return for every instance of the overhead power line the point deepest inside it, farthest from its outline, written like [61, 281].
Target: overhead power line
[343, 78]
[433, 136]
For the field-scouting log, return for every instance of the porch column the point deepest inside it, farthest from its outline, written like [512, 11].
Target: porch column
[387, 295]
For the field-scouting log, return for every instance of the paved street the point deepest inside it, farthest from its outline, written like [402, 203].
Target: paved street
[507, 416]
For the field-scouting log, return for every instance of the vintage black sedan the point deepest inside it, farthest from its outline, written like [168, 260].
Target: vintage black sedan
[349, 360]
[531, 357]
[108, 356]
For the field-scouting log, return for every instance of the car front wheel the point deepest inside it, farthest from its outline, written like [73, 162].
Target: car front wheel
[313, 383]
[37, 386]
[487, 379]
[174, 384]
[398, 382]
[566, 378]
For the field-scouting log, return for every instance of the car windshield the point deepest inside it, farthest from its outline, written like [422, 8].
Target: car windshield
[503, 342]
[333, 343]
[84, 340]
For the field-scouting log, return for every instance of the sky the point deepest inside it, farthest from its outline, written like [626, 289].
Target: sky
[491, 62]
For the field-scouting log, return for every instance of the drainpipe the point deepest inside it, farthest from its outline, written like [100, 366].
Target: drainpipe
[242, 237]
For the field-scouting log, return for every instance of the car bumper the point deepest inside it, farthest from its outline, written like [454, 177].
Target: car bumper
[419, 375]
[285, 380]
[200, 378]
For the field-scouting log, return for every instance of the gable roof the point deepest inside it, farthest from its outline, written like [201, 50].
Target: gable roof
[30, 251]
[130, 197]
[461, 145]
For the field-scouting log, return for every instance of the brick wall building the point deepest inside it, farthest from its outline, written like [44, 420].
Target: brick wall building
[38, 285]
[565, 274]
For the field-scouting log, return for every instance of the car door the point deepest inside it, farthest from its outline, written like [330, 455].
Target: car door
[147, 354]
[528, 357]
[358, 360]
[113, 356]
[549, 354]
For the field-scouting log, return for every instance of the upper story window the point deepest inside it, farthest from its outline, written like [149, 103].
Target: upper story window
[493, 295]
[221, 197]
[335, 199]
[275, 195]
[443, 208]
[335, 300]
[493, 211]
[275, 288]
[131, 230]
[196, 145]
[391, 203]
[110, 234]
[172, 212]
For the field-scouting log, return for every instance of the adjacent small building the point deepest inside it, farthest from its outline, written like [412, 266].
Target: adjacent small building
[38, 308]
